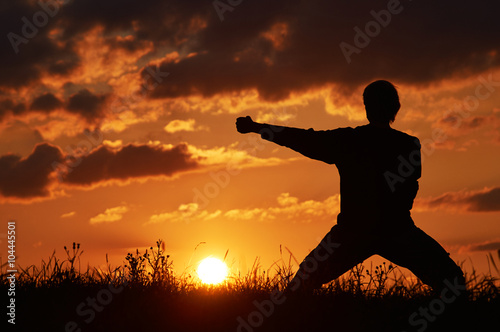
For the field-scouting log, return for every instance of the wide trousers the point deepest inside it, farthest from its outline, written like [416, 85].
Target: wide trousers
[342, 249]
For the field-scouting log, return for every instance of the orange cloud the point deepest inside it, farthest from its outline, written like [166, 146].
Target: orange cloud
[184, 213]
[278, 35]
[68, 215]
[288, 208]
[183, 125]
[109, 215]
[236, 156]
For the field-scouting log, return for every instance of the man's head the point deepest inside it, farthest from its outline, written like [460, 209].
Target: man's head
[381, 102]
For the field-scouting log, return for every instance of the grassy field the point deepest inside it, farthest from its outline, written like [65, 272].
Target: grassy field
[145, 295]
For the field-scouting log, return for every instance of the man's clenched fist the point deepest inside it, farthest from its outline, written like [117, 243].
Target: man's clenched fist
[245, 125]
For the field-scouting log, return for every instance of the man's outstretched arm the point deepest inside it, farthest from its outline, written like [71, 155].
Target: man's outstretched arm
[310, 143]
[246, 125]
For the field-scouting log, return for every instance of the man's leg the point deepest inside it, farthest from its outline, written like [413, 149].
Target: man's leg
[425, 257]
[337, 253]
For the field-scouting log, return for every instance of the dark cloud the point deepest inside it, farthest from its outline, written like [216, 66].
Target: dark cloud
[276, 47]
[87, 104]
[131, 161]
[164, 22]
[129, 45]
[8, 106]
[487, 200]
[486, 246]
[424, 42]
[33, 48]
[46, 102]
[31, 176]
[66, 61]
[456, 122]
[27, 50]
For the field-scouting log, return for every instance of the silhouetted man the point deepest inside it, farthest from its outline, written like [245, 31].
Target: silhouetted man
[379, 169]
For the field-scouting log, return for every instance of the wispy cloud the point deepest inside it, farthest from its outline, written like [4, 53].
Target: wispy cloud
[109, 215]
[183, 125]
[287, 208]
[491, 245]
[180, 125]
[184, 213]
[485, 200]
[457, 130]
[486, 246]
[238, 155]
[68, 215]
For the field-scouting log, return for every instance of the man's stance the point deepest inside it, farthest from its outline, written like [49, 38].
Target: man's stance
[379, 169]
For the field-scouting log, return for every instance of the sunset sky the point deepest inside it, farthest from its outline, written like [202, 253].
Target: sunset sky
[117, 122]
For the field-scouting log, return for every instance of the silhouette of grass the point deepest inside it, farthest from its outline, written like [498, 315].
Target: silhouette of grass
[146, 294]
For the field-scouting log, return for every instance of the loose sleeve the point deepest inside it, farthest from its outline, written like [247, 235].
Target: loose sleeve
[323, 145]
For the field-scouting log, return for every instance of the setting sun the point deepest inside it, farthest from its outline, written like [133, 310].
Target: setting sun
[212, 271]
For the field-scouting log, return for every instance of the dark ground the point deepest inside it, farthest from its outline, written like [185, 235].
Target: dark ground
[101, 308]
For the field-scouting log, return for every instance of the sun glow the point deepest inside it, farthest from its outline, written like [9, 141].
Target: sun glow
[212, 271]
